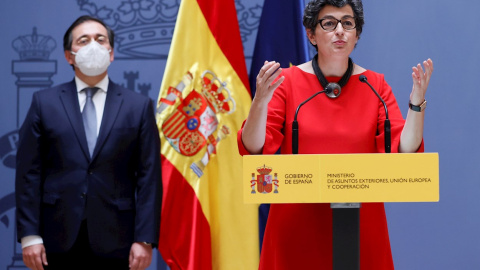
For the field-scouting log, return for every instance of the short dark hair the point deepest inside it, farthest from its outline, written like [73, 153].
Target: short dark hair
[68, 38]
[310, 15]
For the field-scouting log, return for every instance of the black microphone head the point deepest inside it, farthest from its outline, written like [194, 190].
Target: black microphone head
[363, 78]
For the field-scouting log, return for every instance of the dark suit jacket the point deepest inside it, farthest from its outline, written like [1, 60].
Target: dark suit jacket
[118, 190]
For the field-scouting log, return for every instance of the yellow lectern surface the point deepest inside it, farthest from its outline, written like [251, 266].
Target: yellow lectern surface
[341, 178]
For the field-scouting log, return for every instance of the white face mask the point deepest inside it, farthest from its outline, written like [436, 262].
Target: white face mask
[93, 59]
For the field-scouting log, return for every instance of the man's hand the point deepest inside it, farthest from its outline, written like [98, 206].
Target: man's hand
[35, 257]
[140, 256]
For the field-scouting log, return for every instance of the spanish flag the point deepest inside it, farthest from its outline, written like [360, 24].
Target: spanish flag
[203, 101]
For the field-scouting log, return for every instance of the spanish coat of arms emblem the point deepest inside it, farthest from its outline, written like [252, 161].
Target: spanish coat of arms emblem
[264, 182]
[193, 125]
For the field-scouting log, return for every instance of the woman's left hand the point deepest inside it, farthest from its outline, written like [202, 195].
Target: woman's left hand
[412, 132]
[421, 79]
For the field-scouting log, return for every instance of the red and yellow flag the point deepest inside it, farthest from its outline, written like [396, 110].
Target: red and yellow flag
[203, 101]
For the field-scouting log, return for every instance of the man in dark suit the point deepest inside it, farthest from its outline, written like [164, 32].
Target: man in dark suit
[88, 187]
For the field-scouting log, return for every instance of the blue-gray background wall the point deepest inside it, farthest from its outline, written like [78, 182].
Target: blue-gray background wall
[397, 35]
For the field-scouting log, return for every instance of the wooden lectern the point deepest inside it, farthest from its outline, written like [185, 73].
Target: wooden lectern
[344, 181]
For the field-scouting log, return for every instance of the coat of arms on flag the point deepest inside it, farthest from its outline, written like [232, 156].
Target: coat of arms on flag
[193, 125]
[264, 182]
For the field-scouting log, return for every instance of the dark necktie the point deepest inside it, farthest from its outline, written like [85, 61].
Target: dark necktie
[89, 116]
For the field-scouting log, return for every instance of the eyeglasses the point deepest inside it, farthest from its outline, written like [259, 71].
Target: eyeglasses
[330, 23]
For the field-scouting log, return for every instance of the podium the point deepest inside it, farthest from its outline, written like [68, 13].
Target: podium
[344, 181]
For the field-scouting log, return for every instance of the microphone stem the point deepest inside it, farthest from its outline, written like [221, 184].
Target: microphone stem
[381, 99]
[295, 124]
[295, 137]
[386, 125]
[388, 143]
[303, 103]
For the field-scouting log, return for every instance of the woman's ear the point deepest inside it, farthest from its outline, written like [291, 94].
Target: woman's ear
[311, 36]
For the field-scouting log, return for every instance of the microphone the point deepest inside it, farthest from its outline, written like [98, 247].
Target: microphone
[332, 90]
[388, 139]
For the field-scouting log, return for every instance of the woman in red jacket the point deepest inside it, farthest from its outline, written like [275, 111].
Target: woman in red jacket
[299, 236]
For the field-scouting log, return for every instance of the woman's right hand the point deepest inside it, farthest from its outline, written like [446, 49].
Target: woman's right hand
[265, 78]
[254, 130]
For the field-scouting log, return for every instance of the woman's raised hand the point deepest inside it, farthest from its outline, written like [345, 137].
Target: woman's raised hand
[253, 135]
[266, 83]
[412, 133]
[421, 79]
